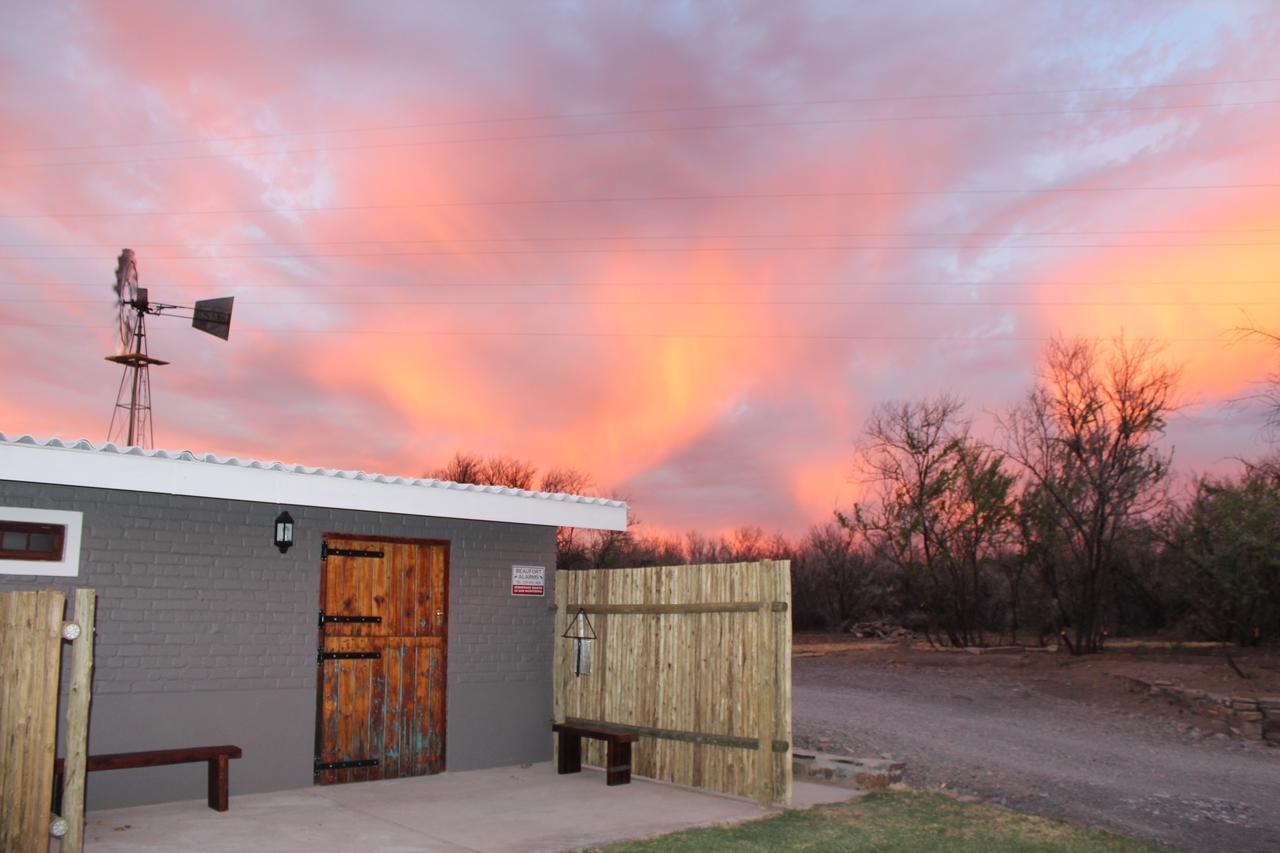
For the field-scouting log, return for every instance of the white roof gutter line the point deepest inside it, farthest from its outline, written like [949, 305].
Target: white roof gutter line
[61, 466]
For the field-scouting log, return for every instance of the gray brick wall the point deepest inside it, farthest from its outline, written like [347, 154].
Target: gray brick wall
[195, 603]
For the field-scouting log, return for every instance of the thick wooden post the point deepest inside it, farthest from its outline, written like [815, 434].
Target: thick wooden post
[765, 672]
[30, 657]
[77, 732]
[782, 682]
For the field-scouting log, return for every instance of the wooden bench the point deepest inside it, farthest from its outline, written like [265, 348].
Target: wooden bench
[618, 754]
[217, 756]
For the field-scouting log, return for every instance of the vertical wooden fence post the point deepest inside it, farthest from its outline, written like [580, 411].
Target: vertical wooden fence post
[782, 693]
[77, 732]
[765, 669]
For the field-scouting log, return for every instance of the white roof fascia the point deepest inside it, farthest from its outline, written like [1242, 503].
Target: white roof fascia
[129, 470]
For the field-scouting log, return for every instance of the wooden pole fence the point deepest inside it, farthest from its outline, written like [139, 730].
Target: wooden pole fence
[694, 659]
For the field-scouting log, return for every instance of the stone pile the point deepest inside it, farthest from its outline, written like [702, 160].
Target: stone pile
[1249, 718]
[845, 771]
[880, 629]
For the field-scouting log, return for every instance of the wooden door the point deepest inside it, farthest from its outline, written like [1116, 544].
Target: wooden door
[380, 709]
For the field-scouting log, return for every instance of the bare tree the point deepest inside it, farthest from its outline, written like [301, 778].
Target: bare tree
[569, 481]
[942, 511]
[747, 544]
[509, 471]
[1269, 396]
[569, 545]
[493, 471]
[462, 468]
[832, 566]
[1087, 438]
[701, 550]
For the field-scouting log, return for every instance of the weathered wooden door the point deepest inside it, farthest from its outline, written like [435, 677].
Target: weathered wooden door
[380, 709]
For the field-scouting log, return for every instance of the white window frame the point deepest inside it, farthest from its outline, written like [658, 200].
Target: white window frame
[69, 565]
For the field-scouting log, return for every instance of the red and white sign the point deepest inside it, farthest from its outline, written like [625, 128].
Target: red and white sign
[528, 580]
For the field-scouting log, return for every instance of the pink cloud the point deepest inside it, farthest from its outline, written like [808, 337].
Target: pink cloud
[730, 346]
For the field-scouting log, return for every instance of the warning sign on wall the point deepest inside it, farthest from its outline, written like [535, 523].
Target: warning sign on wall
[528, 580]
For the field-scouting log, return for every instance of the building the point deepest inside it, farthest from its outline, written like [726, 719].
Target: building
[430, 650]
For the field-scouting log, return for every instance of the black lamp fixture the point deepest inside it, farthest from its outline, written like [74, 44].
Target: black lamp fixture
[284, 531]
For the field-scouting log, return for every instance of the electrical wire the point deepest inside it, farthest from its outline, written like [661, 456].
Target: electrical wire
[1016, 93]
[571, 134]
[559, 335]
[691, 250]
[529, 202]
[845, 235]
[683, 284]
[719, 303]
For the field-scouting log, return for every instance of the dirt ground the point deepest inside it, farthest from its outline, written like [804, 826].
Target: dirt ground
[1105, 679]
[1049, 734]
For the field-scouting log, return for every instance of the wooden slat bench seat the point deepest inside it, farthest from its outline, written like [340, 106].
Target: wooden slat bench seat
[217, 756]
[618, 753]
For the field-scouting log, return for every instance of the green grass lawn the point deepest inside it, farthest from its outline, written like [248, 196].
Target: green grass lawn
[895, 820]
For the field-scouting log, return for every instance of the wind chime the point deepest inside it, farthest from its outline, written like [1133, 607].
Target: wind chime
[583, 635]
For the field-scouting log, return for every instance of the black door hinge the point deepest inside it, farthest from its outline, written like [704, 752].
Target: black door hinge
[322, 655]
[345, 765]
[362, 620]
[326, 552]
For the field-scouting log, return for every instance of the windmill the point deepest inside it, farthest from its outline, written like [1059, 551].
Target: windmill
[131, 418]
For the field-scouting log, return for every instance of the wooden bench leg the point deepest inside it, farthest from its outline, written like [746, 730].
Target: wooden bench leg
[219, 784]
[570, 759]
[618, 758]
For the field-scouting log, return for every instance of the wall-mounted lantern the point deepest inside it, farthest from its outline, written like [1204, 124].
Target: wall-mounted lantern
[284, 531]
[583, 636]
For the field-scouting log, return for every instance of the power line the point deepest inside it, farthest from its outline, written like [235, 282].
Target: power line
[866, 247]
[433, 285]
[528, 137]
[651, 111]
[745, 336]
[561, 303]
[777, 196]
[641, 237]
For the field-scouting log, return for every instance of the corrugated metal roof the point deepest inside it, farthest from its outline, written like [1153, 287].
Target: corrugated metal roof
[110, 450]
[256, 464]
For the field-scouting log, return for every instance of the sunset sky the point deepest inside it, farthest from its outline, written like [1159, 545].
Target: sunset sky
[684, 247]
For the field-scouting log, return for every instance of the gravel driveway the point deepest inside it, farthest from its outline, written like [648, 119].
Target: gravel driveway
[1003, 740]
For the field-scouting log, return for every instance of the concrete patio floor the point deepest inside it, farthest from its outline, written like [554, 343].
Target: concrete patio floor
[502, 809]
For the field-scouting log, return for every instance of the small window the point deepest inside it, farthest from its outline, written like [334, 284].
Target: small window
[40, 541]
[20, 540]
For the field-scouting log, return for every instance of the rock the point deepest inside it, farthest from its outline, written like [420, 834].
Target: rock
[846, 771]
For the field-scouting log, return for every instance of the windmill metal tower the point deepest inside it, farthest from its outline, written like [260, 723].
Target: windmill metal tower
[131, 422]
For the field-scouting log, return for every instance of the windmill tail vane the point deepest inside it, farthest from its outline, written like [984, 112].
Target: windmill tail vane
[131, 422]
